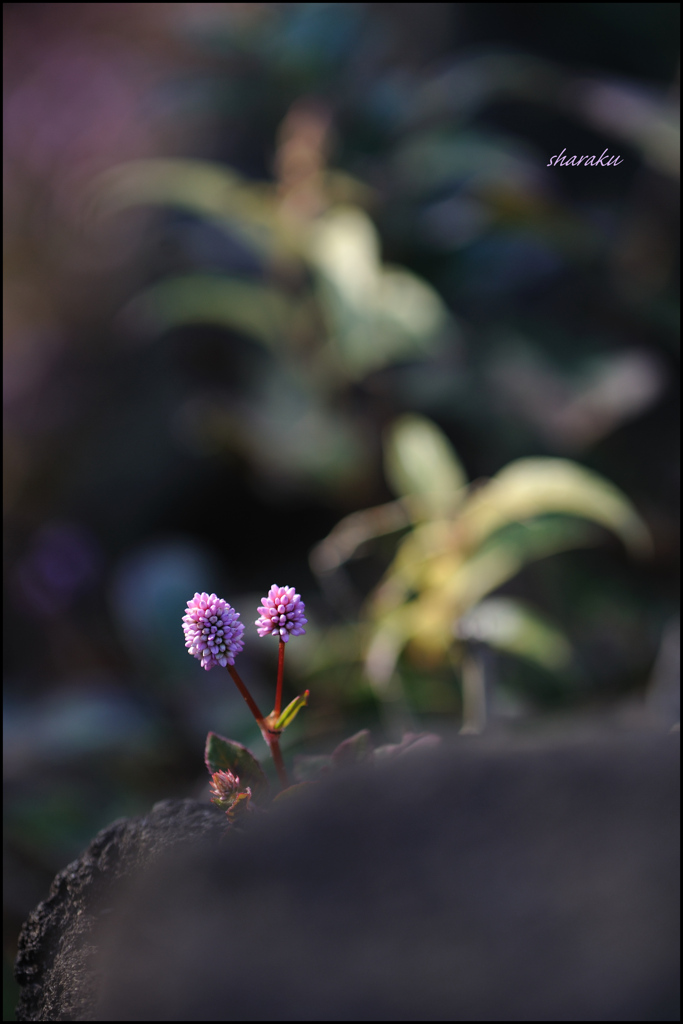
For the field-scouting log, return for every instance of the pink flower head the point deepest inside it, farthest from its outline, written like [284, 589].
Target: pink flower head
[213, 632]
[282, 614]
[226, 794]
[224, 785]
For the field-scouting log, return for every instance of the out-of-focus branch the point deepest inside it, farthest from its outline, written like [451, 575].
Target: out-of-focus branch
[348, 535]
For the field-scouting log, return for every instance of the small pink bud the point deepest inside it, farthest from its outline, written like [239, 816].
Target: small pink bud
[282, 614]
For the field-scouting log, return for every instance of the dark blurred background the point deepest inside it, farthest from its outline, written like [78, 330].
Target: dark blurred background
[240, 240]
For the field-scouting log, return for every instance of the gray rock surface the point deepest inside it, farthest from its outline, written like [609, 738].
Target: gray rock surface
[476, 882]
[54, 964]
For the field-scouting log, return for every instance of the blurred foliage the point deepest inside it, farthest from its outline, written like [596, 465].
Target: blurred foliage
[325, 307]
[460, 547]
[267, 265]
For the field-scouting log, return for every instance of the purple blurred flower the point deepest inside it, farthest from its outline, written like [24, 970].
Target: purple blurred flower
[62, 562]
[213, 633]
[282, 613]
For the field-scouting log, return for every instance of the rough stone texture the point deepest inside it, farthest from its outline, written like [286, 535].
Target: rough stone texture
[54, 964]
[476, 882]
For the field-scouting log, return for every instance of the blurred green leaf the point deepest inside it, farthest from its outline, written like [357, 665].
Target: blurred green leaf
[251, 308]
[227, 755]
[506, 552]
[320, 443]
[445, 566]
[434, 158]
[532, 487]
[472, 81]
[375, 314]
[384, 648]
[648, 122]
[448, 583]
[208, 190]
[512, 626]
[419, 460]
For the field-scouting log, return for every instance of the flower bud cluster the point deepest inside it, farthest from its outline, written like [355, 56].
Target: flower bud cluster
[226, 794]
[282, 614]
[224, 785]
[213, 632]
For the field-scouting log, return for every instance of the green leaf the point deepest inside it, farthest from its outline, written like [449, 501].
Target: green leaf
[532, 487]
[376, 314]
[384, 648]
[419, 460]
[292, 710]
[429, 160]
[448, 586]
[514, 627]
[228, 755]
[251, 308]
[507, 551]
[356, 748]
[200, 187]
[543, 535]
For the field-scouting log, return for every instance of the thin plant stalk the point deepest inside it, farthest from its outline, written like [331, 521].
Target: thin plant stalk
[274, 744]
[271, 738]
[253, 707]
[280, 673]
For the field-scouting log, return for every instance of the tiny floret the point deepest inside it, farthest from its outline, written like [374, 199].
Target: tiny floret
[213, 632]
[282, 614]
[227, 794]
[224, 785]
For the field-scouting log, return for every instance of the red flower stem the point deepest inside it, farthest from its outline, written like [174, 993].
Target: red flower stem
[247, 696]
[272, 739]
[280, 673]
[274, 744]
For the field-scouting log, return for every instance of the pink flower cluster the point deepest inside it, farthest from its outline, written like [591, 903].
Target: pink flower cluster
[213, 632]
[224, 785]
[282, 613]
[226, 794]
